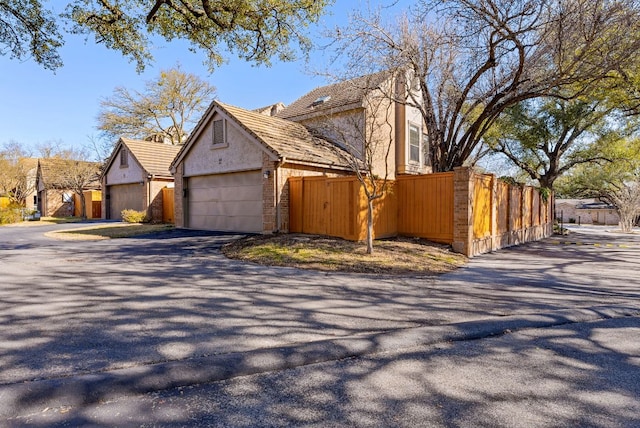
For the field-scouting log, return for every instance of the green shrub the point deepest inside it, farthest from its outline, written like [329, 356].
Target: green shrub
[10, 215]
[133, 216]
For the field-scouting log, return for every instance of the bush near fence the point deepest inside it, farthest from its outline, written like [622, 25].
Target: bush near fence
[475, 213]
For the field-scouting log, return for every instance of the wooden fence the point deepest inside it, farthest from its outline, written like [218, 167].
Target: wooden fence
[425, 206]
[168, 209]
[475, 213]
[93, 204]
[338, 207]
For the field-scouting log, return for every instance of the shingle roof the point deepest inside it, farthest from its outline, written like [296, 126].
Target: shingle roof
[336, 97]
[154, 158]
[287, 139]
[51, 169]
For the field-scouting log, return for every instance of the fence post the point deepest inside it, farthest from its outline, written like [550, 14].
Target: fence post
[463, 189]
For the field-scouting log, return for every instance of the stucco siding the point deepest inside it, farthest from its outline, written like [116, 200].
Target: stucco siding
[132, 173]
[238, 153]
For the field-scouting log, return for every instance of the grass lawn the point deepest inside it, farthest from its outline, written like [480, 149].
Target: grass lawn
[390, 256]
[109, 231]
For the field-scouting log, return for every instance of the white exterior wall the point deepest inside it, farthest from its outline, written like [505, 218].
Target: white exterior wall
[133, 173]
[238, 154]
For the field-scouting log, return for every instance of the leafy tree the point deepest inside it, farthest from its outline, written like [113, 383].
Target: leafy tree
[255, 30]
[473, 59]
[617, 181]
[167, 109]
[29, 30]
[547, 137]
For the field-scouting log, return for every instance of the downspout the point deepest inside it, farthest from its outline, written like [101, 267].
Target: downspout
[149, 181]
[278, 192]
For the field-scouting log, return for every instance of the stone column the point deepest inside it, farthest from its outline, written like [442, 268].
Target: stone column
[463, 211]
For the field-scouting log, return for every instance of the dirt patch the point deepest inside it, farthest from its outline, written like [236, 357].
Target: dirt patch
[390, 256]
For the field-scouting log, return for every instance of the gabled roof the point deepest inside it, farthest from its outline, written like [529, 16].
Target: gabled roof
[334, 98]
[282, 138]
[51, 171]
[153, 157]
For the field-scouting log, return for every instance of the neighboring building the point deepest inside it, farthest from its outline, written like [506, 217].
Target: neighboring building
[134, 176]
[231, 174]
[55, 181]
[586, 211]
[31, 167]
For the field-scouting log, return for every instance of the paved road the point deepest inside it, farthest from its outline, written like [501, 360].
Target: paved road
[151, 312]
[578, 375]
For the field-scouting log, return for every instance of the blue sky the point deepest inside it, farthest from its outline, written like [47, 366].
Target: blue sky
[39, 106]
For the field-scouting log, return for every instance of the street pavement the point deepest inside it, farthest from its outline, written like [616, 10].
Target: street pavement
[116, 332]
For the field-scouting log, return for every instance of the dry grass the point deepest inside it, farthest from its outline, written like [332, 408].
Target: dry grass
[392, 256]
[108, 231]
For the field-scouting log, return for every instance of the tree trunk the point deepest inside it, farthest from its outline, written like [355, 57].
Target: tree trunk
[370, 226]
[83, 206]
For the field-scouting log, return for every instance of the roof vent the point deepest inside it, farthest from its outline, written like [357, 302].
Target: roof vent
[321, 100]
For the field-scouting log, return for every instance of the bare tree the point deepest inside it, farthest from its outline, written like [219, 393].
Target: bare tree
[17, 178]
[365, 138]
[167, 109]
[472, 59]
[70, 171]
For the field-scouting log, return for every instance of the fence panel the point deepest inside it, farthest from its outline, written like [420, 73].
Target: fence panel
[515, 208]
[535, 208]
[482, 195]
[295, 204]
[315, 202]
[425, 206]
[503, 208]
[343, 208]
[168, 209]
[527, 207]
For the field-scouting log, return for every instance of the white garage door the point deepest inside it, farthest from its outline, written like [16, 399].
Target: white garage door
[125, 197]
[226, 202]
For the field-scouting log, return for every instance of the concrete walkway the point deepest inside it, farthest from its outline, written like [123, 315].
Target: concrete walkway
[83, 321]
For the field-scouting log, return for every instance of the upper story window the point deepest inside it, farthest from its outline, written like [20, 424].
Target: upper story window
[124, 158]
[425, 149]
[414, 143]
[219, 132]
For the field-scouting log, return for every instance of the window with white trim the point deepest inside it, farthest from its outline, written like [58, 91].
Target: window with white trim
[219, 132]
[414, 143]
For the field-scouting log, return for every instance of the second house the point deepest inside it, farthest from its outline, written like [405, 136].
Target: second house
[134, 176]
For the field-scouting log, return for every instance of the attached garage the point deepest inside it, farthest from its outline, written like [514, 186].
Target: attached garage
[125, 197]
[134, 178]
[231, 173]
[225, 202]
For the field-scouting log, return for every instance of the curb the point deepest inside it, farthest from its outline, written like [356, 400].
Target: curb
[34, 396]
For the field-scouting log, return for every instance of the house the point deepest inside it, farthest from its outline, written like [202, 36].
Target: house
[18, 181]
[373, 103]
[231, 174]
[57, 180]
[134, 176]
[586, 211]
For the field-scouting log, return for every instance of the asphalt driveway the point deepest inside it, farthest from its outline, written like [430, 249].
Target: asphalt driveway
[70, 308]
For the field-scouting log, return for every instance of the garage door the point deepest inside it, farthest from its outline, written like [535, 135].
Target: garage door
[226, 202]
[125, 197]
